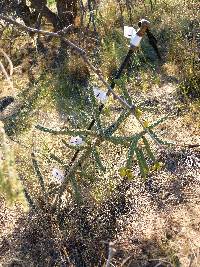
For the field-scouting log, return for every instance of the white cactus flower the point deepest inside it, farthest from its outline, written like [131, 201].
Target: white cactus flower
[100, 95]
[58, 174]
[135, 40]
[77, 140]
[129, 32]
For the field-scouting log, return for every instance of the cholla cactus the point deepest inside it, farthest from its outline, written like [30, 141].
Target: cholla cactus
[86, 142]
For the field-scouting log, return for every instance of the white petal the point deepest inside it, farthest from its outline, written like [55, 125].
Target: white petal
[77, 140]
[100, 95]
[96, 90]
[135, 40]
[129, 31]
[58, 174]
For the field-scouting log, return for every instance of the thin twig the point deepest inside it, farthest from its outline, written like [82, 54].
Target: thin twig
[52, 34]
[7, 77]
[9, 61]
[111, 253]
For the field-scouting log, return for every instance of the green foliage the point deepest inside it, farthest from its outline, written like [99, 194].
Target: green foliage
[148, 149]
[10, 185]
[51, 2]
[40, 176]
[29, 199]
[22, 120]
[76, 189]
[98, 160]
[131, 151]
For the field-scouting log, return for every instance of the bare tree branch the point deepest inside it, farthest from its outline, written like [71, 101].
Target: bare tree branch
[111, 253]
[9, 61]
[41, 6]
[58, 34]
[67, 11]
[7, 77]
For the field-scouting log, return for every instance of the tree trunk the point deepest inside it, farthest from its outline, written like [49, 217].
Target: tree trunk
[67, 11]
[41, 6]
[23, 11]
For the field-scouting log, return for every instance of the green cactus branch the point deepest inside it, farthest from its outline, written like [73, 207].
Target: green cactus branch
[72, 132]
[96, 138]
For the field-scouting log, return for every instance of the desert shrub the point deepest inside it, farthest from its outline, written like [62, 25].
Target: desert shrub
[83, 202]
[10, 185]
[178, 32]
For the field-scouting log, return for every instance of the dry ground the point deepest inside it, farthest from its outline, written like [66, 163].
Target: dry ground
[162, 224]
